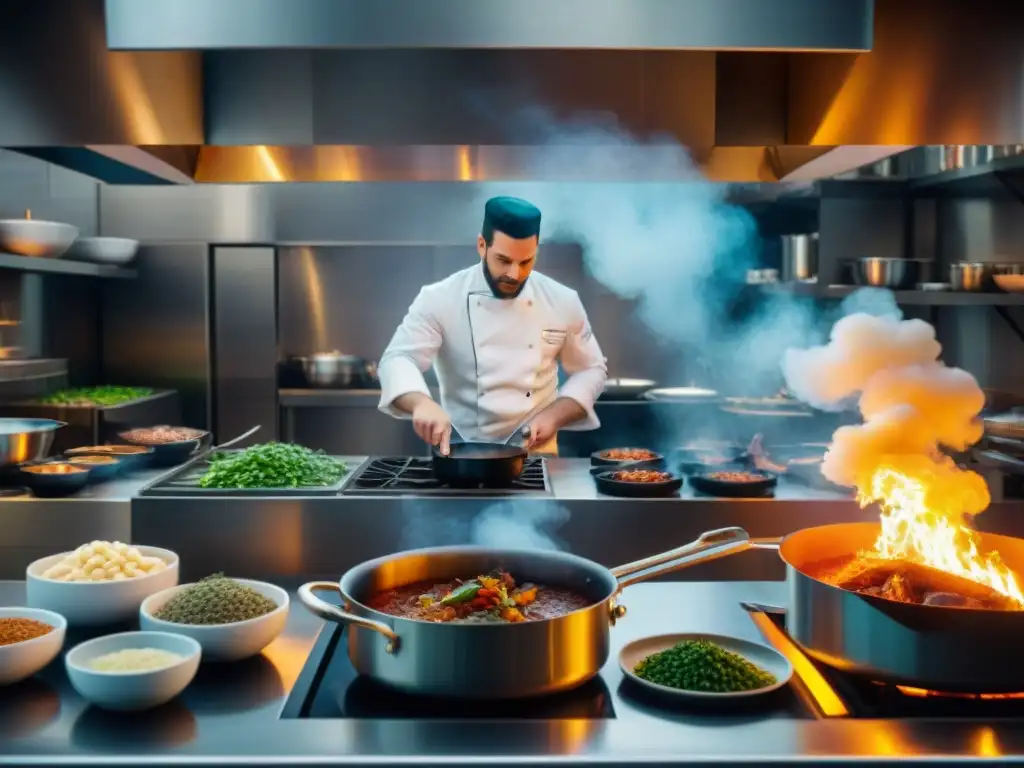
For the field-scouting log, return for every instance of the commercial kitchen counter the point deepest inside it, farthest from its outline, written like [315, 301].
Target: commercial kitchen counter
[230, 715]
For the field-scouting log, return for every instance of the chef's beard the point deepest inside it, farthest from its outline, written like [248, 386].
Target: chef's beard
[493, 283]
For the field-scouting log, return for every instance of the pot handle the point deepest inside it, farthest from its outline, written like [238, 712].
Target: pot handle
[333, 613]
[709, 546]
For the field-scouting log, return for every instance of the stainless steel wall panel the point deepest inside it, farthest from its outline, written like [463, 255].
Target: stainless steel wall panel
[50, 192]
[705, 24]
[245, 343]
[216, 214]
[156, 327]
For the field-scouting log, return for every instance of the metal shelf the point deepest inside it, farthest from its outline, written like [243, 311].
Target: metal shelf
[919, 298]
[62, 267]
[984, 180]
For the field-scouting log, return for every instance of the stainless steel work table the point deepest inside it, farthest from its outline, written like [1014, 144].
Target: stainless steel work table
[230, 715]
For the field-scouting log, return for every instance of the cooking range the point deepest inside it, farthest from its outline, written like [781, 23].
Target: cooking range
[401, 475]
[329, 688]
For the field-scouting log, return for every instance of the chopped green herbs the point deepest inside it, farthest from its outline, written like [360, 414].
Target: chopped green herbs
[272, 465]
[699, 665]
[104, 395]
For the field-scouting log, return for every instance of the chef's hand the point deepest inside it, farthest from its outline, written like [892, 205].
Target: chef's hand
[543, 427]
[433, 425]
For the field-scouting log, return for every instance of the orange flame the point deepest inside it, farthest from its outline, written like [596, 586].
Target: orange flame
[922, 522]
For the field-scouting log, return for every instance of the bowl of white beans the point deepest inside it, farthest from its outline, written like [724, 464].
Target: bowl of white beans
[133, 670]
[101, 582]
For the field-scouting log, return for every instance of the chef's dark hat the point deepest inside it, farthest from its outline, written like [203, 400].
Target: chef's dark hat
[512, 216]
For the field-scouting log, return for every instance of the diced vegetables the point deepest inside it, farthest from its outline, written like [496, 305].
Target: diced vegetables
[102, 395]
[272, 465]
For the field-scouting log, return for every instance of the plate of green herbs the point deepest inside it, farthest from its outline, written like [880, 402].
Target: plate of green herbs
[704, 667]
[103, 396]
[272, 466]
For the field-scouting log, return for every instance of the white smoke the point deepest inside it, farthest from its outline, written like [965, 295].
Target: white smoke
[507, 524]
[913, 407]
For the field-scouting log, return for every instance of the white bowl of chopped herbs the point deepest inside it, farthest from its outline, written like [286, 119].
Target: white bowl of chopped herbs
[270, 466]
[705, 667]
[231, 619]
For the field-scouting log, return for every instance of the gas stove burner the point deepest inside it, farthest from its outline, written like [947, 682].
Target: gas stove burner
[408, 474]
[14, 493]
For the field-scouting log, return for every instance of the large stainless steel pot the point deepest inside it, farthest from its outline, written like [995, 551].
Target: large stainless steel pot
[926, 646]
[493, 661]
[333, 370]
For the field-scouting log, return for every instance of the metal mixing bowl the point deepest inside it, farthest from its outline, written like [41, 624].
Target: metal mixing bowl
[26, 439]
[881, 272]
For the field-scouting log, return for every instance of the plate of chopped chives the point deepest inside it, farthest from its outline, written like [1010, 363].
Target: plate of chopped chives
[704, 667]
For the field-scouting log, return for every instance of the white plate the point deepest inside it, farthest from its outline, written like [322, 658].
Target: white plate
[766, 658]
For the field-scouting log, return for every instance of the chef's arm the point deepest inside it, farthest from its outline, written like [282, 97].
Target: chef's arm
[410, 353]
[583, 360]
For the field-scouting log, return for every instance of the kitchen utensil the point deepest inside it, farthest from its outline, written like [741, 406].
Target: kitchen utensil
[706, 482]
[113, 251]
[1008, 424]
[333, 370]
[681, 395]
[768, 659]
[171, 454]
[936, 647]
[55, 479]
[626, 389]
[458, 660]
[708, 459]
[1009, 283]
[599, 459]
[966, 276]
[799, 257]
[97, 603]
[132, 457]
[1004, 462]
[879, 272]
[607, 484]
[26, 439]
[21, 660]
[101, 468]
[132, 691]
[222, 642]
[474, 464]
[31, 237]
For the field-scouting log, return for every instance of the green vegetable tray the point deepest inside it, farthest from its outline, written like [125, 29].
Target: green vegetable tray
[184, 481]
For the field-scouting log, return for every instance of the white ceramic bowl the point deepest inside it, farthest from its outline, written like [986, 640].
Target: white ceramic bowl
[96, 603]
[24, 659]
[223, 642]
[1009, 283]
[114, 251]
[132, 690]
[30, 237]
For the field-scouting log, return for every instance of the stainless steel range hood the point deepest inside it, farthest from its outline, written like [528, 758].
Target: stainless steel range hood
[486, 101]
[778, 25]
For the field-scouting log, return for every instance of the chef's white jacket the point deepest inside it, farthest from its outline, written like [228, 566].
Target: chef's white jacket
[496, 359]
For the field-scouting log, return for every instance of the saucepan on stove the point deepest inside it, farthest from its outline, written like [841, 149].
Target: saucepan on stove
[895, 621]
[483, 623]
[474, 464]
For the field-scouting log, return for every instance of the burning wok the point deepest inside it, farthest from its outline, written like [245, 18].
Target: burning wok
[938, 646]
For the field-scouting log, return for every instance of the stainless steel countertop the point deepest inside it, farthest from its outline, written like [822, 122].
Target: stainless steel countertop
[229, 715]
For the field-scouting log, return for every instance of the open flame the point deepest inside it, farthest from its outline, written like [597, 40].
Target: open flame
[926, 527]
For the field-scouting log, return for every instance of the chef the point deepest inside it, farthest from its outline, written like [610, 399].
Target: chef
[495, 333]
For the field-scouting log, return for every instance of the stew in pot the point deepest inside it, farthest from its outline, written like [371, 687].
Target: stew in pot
[495, 597]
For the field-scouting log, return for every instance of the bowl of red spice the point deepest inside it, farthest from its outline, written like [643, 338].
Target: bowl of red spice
[30, 638]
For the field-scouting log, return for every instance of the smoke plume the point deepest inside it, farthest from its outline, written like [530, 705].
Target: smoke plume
[912, 406]
[504, 525]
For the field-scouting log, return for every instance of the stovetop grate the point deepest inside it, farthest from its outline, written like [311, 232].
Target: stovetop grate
[398, 475]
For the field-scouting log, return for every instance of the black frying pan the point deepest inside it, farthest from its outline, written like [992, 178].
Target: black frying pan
[476, 464]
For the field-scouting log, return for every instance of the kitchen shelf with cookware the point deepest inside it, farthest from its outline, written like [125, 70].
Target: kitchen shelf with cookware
[52, 247]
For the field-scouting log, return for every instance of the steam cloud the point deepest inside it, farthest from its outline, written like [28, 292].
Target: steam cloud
[674, 246]
[913, 406]
[503, 525]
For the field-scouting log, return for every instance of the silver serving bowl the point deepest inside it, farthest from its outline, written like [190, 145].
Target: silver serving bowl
[881, 272]
[24, 440]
